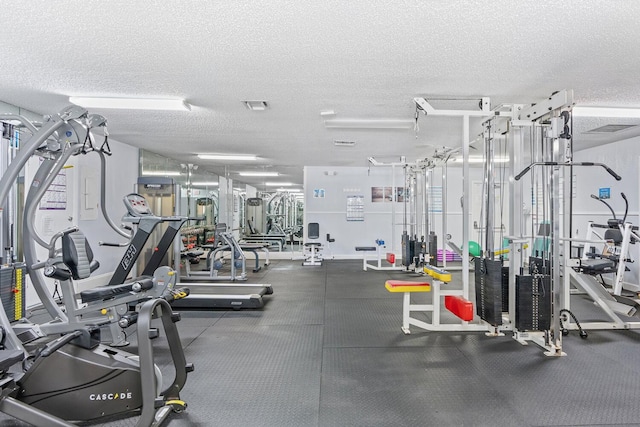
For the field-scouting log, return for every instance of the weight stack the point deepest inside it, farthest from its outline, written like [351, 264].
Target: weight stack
[12, 291]
[533, 303]
[542, 266]
[432, 242]
[489, 276]
[406, 250]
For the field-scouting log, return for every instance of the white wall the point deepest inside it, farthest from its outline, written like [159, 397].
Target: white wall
[330, 211]
[623, 157]
[83, 204]
[379, 221]
[122, 174]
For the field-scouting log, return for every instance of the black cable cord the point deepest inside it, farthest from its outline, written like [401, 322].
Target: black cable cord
[565, 332]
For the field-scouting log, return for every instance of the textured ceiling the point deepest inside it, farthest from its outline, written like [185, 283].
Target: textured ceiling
[362, 59]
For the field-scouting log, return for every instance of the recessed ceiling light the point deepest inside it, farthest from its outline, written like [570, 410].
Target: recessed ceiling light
[256, 105]
[258, 173]
[327, 113]
[228, 157]
[344, 143]
[606, 112]
[276, 184]
[369, 124]
[130, 103]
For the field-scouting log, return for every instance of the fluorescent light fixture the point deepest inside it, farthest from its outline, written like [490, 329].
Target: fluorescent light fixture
[256, 105]
[369, 124]
[161, 173]
[277, 184]
[131, 103]
[249, 157]
[606, 112]
[289, 190]
[327, 113]
[206, 184]
[258, 173]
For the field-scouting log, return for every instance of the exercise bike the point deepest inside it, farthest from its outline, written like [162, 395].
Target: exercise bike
[75, 378]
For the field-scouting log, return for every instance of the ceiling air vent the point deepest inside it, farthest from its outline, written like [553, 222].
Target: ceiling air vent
[256, 105]
[610, 128]
[344, 143]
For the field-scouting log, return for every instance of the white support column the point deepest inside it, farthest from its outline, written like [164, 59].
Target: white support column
[466, 200]
[516, 228]
[444, 216]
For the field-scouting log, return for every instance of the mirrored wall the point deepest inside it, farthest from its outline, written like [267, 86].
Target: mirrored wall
[198, 188]
[190, 190]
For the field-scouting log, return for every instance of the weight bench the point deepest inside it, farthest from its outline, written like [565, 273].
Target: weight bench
[389, 257]
[365, 249]
[453, 301]
[406, 287]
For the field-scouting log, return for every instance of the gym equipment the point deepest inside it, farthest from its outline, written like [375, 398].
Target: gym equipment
[389, 257]
[474, 249]
[549, 271]
[45, 388]
[451, 299]
[615, 255]
[203, 295]
[74, 126]
[109, 382]
[313, 248]
[619, 306]
[140, 214]
[76, 313]
[223, 241]
[262, 225]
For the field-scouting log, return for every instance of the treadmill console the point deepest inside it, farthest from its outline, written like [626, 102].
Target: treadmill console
[137, 205]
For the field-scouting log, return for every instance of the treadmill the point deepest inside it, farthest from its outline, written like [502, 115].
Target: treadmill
[202, 295]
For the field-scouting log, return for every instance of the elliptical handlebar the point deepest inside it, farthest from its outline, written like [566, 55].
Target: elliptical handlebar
[626, 207]
[593, 196]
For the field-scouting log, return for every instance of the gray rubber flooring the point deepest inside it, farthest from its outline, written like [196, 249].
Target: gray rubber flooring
[327, 350]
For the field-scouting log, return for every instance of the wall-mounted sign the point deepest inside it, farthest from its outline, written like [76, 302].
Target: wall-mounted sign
[604, 193]
[355, 208]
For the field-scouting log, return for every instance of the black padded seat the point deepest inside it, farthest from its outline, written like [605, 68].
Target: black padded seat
[107, 292]
[597, 266]
[8, 358]
[613, 234]
[78, 256]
